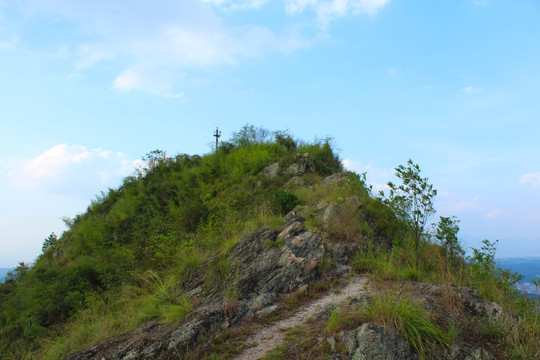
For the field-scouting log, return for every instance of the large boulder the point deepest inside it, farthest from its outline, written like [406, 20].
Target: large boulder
[377, 342]
[269, 263]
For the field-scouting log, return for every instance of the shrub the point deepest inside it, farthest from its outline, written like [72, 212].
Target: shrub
[412, 322]
[284, 201]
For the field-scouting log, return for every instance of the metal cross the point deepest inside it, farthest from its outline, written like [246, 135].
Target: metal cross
[217, 135]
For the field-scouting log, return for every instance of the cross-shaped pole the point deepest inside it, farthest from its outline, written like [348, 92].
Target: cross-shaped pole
[217, 136]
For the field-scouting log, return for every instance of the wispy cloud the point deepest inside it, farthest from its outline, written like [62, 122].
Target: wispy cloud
[328, 10]
[158, 46]
[158, 42]
[495, 213]
[238, 4]
[464, 205]
[6, 45]
[376, 176]
[469, 90]
[530, 178]
[69, 166]
[90, 54]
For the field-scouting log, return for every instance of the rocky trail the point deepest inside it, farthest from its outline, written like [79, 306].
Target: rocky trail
[272, 336]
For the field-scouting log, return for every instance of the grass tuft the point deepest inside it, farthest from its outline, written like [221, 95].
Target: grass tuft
[412, 322]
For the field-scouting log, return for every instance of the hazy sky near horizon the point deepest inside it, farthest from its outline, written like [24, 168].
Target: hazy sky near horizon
[87, 88]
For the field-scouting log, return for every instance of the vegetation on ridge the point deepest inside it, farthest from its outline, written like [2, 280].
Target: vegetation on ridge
[165, 219]
[129, 257]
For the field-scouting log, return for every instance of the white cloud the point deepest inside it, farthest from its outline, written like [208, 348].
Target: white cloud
[328, 10]
[530, 178]
[238, 4]
[469, 90]
[157, 81]
[67, 168]
[5, 45]
[129, 79]
[495, 213]
[159, 44]
[376, 176]
[293, 7]
[90, 54]
[181, 48]
[54, 159]
[464, 205]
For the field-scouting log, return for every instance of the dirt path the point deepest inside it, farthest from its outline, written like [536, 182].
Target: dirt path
[270, 337]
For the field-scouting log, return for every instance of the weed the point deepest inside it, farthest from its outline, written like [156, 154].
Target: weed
[335, 320]
[411, 273]
[412, 322]
[178, 311]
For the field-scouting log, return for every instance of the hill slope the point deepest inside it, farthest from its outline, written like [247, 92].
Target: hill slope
[194, 254]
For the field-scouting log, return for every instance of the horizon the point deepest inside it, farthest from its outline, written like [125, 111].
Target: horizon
[91, 88]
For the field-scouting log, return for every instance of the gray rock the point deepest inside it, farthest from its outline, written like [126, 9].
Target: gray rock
[336, 178]
[349, 339]
[467, 352]
[344, 252]
[303, 163]
[293, 217]
[271, 171]
[479, 354]
[291, 230]
[295, 181]
[376, 342]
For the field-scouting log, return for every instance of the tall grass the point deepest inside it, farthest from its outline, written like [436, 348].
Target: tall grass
[104, 316]
[413, 323]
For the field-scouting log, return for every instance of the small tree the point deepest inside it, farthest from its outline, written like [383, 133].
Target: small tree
[49, 243]
[446, 233]
[250, 135]
[412, 200]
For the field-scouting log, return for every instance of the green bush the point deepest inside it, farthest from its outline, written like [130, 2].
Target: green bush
[284, 201]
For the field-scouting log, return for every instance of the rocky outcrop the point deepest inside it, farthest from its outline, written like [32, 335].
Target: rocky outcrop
[373, 341]
[337, 177]
[303, 163]
[295, 182]
[266, 263]
[269, 263]
[271, 171]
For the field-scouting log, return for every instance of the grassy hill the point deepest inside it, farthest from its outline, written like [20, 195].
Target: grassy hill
[130, 257]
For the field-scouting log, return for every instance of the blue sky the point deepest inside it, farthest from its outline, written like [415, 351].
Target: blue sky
[87, 88]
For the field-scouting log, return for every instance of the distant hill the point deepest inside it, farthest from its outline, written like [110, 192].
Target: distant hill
[529, 267]
[3, 273]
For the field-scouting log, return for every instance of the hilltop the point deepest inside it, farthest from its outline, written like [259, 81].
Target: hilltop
[263, 248]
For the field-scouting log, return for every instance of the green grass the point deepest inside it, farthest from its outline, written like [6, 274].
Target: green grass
[335, 320]
[177, 311]
[413, 323]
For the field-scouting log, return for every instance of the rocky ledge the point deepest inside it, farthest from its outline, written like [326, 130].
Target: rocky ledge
[268, 263]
